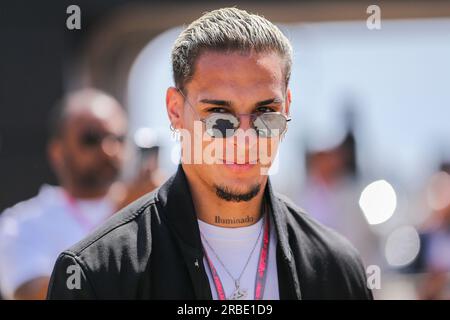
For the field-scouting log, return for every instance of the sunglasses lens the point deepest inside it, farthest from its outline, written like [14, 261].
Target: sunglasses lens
[270, 124]
[221, 125]
[90, 139]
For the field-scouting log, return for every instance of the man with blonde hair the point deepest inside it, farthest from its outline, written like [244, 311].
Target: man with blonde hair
[216, 229]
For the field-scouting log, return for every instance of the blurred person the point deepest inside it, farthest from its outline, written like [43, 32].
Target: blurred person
[147, 175]
[331, 194]
[85, 150]
[217, 230]
[434, 255]
[326, 170]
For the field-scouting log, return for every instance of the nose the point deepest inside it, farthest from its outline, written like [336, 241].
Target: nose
[247, 130]
[110, 147]
[245, 122]
[245, 140]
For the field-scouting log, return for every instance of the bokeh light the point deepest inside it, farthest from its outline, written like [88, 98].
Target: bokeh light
[145, 137]
[378, 202]
[402, 246]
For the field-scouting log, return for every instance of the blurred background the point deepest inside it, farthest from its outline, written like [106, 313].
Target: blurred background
[367, 152]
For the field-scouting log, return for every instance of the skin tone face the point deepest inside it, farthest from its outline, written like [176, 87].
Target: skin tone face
[229, 83]
[89, 154]
[84, 170]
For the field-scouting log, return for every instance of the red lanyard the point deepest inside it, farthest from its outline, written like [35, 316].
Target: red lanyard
[76, 212]
[261, 271]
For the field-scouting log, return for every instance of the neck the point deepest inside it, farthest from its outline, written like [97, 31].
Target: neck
[82, 193]
[219, 212]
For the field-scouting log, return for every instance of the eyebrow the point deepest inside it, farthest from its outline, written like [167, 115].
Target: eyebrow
[227, 103]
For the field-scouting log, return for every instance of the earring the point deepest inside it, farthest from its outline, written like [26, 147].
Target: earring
[175, 133]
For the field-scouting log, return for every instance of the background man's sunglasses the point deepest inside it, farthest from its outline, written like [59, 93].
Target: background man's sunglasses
[94, 139]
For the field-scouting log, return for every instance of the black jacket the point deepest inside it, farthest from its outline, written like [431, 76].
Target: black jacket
[152, 250]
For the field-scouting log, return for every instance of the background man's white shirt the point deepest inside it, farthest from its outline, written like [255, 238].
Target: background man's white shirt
[34, 232]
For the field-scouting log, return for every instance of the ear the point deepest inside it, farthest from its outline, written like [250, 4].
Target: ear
[287, 108]
[55, 155]
[288, 100]
[174, 105]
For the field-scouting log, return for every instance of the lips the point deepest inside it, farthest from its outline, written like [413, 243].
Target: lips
[239, 167]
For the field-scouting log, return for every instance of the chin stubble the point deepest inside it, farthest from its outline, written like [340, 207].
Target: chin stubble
[227, 194]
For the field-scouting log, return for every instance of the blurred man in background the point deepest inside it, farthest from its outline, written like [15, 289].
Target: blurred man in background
[146, 174]
[331, 193]
[435, 239]
[86, 152]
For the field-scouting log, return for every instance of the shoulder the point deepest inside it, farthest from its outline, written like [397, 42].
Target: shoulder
[117, 238]
[315, 233]
[26, 251]
[112, 259]
[325, 255]
[25, 217]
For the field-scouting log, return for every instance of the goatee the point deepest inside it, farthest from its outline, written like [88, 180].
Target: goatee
[227, 194]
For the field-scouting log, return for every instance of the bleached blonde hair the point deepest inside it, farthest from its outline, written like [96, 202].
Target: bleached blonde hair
[227, 30]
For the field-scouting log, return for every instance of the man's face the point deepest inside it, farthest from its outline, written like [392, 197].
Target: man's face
[237, 84]
[92, 147]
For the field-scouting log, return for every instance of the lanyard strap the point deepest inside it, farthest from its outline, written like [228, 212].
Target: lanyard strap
[217, 283]
[261, 271]
[74, 209]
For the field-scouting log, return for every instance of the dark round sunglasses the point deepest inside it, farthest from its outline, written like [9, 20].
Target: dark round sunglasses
[91, 138]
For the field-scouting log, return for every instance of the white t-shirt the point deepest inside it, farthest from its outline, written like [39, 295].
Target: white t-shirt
[233, 246]
[34, 232]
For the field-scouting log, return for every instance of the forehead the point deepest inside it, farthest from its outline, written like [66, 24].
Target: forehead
[105, 119]
[238, 74]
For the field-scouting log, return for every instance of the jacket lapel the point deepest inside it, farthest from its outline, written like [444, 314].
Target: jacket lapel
[288, 282]
[176, 201]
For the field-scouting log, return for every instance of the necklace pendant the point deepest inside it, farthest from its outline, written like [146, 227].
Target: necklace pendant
[238, 294]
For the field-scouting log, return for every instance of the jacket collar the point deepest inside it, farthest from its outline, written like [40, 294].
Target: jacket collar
[175, 199]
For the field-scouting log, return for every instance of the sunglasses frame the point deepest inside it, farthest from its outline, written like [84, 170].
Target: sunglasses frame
[253, 117]
[99, 138]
